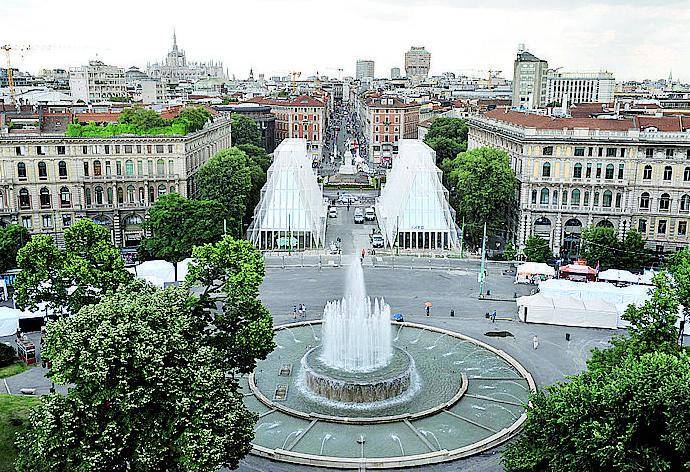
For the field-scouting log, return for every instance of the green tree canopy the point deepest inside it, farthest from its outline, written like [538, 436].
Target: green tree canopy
[633, 417]
[601, 245]
[448, 137]
[193, 118]
[245, 130]
[12, 239]
[87, 269]
[178, 224]
[227, 178]
[482, 187]
[148, 390]
[141, 118]
[446, 148]
[537, 249]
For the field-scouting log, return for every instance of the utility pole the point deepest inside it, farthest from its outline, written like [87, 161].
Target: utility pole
[481, 268]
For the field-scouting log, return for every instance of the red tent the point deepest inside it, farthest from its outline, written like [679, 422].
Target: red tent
[578, 272]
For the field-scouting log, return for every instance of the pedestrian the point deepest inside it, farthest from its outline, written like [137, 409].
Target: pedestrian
[428, 308]
[294, 312]
[304, 310]
[493, 317]
[363, 253]
[535, 342]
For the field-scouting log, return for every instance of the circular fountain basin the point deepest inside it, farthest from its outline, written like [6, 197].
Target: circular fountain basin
[337, 385]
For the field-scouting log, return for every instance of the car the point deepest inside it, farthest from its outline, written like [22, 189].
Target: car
[359, 216]
[332, 212]
[347, 199]
[377, 241]
[369, 214]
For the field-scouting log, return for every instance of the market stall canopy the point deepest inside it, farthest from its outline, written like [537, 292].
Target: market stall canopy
[617, 275]
[526, 271]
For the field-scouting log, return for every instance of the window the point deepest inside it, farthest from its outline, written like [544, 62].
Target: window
[161, 190]
[601, 152]
[128, 149]
[686, 174]
[622, 152]
[647, 173]
[661, 228]
[170, 148]
[565, 197]
[579, 152]
[66, 221]
[575, 198]
[129, 167]
[599, 165]
[619, 200]
[171, 165]
[44, 195]
[534, 197]
[160, 167]
[554, 198]
[547, 151]
[610, 152]
[609, 171]
[649, 153]
[24, 199]
[577, 171]
[42, 170]
[26, 222]
[40, 151]
[607, 199]
[140, 168]
[142, 195]
[87, 196]
[596, 198]
[544, 197]
[65, 198]
[642, 226]
[86, 168]
[21, 170]
[546, 170]
[109, 193]
[99, 195]
[84, 149]
[107, 149]
[108, 168]
[118, 167]
[621, 168]
[130, 194]
[120, 196]
[62, 169]
[585, 200]
[685, 203]
[97, 170]
[20, 150]
[47, 221]
[590, 151]
[159, 148]
[150, 167]
[117, 149]
[669, 154]
[682, 228]
[665, 202]
[61, 150]
[644, 201]
[589, 170]
[668, 173]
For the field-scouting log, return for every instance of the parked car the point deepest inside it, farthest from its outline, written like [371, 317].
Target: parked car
[347, 198]
[369, 214]
[359, 216]
[332, 212]
[377, 241]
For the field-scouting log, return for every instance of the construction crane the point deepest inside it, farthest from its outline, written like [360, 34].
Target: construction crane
[295, 75]
[8, 49]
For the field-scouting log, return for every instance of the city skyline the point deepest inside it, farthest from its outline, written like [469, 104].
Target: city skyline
[592, 36]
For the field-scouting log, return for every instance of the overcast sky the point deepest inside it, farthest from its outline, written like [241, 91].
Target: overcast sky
[635, 39]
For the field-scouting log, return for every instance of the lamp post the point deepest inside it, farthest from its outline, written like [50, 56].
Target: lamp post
[481, 268]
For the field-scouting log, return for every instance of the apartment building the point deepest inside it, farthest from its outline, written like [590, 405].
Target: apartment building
[49, 181]
[579, 87]
[529, 81]
[364, 69]
[417, 63]
[581, 172]
[97, 82]
[386, 120]
[302, 117]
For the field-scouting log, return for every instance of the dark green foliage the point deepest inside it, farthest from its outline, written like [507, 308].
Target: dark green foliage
[7, 355]
[601, 245]
[537, 250]
[448, 137]
[245, 130]
[12, 239]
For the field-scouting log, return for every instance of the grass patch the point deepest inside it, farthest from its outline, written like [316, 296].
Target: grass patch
[12, 369]
[12, 409]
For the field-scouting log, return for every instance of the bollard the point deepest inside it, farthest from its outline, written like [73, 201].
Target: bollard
[452, 313]
[567, 336]
[488, 293]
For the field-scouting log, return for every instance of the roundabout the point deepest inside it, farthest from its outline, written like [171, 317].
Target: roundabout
[442, 396]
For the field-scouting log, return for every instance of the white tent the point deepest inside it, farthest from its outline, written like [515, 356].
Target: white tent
[292, 211]
[157, 272]
[556, 288]
[525, 272]
[567, 311]
[617, 275]
[183, 268]
[3, 289]
[413, 208]
[9, 319]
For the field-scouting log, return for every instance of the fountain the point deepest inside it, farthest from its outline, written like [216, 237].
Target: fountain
[357, 340]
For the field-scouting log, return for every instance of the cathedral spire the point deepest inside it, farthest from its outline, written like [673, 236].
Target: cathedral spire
[174, 40]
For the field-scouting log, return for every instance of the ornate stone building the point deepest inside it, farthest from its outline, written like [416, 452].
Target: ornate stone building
[580, 172]
[49, 181]
[176, 68]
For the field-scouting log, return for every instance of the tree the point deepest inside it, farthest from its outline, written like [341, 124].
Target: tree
[679, 267]
[227, 179]
[148, 391]
[177, 225]
[483, 190]
[87, 269]
[142, 119]
[448, 137]
[193, 118]
[510, 252]
[601, 245]
[245, 130]
[537, 249]
[231, 271]
[12, 239]
[635, 416]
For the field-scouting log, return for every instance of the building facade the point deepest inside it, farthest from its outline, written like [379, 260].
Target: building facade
[49, 181]
[97, 82]
[529, 81]
[417, 63]
[386, 120]
[176, 68]
[261, 114]
[579, 87]
[302, 117]
[364, 69]
[581, 172]
[395, 73]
